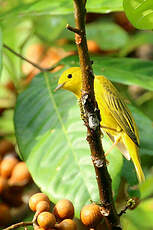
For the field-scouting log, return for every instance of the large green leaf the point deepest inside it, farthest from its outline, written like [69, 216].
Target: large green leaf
[140, 13]
[107, 34]
[141, 217]
[56, 24]
[122, 70]
[1, 44]
[60, 7]
[52, 141]
[135, 41]
[51, 136]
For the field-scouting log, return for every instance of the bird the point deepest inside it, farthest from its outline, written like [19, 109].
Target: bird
[116, 119]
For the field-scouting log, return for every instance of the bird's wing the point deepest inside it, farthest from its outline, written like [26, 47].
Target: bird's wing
[120, 111]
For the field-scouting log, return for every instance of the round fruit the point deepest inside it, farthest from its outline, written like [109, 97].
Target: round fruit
[20, 174]
[93, 46]
[46, 220]
[64, 209]
[36, 227]
[42, 206]
[90, 215]
[5, 215]
[66, 224]
[3, 184]
[36, 198]
[7, 165]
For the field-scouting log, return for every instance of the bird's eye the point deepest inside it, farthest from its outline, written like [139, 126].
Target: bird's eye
[69, 76]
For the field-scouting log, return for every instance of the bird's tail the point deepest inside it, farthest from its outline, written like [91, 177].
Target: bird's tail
[138, 168]
[133, 151]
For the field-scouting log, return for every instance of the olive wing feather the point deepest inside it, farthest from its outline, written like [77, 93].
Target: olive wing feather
[120, 111]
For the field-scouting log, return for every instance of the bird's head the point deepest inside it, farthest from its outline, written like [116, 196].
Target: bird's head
[71, 80]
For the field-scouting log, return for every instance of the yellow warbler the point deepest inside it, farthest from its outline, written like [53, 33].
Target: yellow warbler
[116, 119]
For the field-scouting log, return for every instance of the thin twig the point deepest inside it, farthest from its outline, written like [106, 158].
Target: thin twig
[72, 29]
[20, 224]
[30, 62]
[131, 203]
[92, 121]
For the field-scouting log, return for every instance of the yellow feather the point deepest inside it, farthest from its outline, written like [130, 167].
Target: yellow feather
[116, 119]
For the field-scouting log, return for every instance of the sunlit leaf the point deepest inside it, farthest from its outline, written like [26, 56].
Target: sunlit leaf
[140, 13]
[47, 7]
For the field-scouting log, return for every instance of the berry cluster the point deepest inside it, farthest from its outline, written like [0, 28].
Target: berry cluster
[60, 218]
[14, 176]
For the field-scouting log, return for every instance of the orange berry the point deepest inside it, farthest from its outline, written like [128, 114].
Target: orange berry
[36, 227]
[66, 224]
[93, 47]
[36, 198]
[46, 220]
[7, 165]
[42, 206]
[5, 214]
[90, 215]
[64, 209]
[20, 174]
[3, 184]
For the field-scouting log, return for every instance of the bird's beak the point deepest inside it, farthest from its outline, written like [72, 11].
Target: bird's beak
[59, 86]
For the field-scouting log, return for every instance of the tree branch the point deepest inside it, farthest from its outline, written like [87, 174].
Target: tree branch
[92, 121]
[30, 62]
[20, 224]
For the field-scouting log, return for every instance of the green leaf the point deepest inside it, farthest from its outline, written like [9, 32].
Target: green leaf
[139, 13]
[146, 147]
[147, 108]
[52, 141]
[145, 130]
[136, 40]
[56, 24]
[141, 217]
[122, 70]
[61, 7]
[15, 33]
[104, 6]
[146, 188]
[108, 35]
[6, 123]
[1, 45]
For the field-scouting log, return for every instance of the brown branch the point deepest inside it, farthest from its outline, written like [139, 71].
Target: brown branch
[92, 121]
[17, 225]
[72, 29]
[30, 62]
